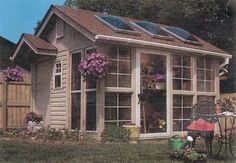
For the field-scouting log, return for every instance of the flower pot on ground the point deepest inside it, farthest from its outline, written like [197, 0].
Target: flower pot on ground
[134, 132]
[34, 127]
[34, 121]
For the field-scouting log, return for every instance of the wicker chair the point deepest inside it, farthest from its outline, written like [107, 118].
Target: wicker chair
[204, 110]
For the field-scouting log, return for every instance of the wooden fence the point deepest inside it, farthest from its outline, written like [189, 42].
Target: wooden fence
[14, 103]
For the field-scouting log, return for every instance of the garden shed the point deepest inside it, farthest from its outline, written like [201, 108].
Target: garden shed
[156, 72]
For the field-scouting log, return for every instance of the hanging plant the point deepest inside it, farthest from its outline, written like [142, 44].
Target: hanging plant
[93, 66]
[12, 74]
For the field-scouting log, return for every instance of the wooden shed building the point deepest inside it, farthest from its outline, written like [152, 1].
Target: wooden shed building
[138, 50]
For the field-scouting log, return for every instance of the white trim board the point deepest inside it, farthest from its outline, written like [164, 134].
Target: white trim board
[155, 44]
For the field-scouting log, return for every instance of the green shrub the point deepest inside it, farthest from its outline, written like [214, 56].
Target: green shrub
[53, 134]
[114, 133]
[15, 132]
[1, 132]
[75, 134]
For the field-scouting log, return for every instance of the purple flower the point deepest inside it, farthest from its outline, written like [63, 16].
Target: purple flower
[12, 74]
[159, 77]
[93, 66]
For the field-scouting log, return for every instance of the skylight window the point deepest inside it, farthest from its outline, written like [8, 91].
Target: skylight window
[152, 30]
[182, 35]
[117, 24]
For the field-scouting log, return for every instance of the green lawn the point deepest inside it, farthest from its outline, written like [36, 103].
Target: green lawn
[146, 151]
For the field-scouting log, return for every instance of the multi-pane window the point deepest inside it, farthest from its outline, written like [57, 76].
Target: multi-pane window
[182, 72]
[119, 71]
[75, 91]
[205, 74]
[182, 105]
[91, 92]
[58, 75]
[117, 108]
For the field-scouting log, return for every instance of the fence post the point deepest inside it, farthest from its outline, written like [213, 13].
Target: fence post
[4, 105]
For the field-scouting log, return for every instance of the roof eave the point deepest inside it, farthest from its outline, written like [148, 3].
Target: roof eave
[49, 52]
[54, 10]
[167, 46]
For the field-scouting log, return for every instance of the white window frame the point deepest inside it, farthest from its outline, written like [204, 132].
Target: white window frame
[117, 73]
[205, 69]
[57, 73]
[118, 107]
[182, 68]
[182, 107]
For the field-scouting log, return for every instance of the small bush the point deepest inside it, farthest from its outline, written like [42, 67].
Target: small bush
[177, 154]
[15, 131]
[75, 135]
[114, 133]
[53, 134]
[1, 132]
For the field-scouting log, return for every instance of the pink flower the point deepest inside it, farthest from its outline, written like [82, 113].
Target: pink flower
[159, 77]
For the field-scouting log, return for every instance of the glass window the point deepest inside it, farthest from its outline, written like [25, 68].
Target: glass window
[152, 29]
[182, 35]
[117, 24]
[182, 105]
[75, 75]
[75, 112]
[119, 71]
[58, 75]
[91, 111]
[182, 72]
[205, 74]
[117, 108]
[91, 84]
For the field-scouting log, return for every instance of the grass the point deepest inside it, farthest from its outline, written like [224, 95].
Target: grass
[146, 151]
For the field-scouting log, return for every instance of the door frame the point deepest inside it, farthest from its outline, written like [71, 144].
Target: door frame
[169, 101]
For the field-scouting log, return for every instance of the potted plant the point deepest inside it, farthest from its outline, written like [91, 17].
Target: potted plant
[194, 157]
[34, 121]
[159, 80]
[93, 66]
[134, 132]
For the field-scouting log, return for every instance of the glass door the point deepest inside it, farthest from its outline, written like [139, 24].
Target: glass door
[153, 94]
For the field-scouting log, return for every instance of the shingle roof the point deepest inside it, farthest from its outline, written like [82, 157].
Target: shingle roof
[87, 20]
[38, 42]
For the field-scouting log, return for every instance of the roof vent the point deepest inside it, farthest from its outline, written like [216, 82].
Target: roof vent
[59, 28]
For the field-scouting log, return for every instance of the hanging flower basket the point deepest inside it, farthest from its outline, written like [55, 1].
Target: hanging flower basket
[93, 66]
[12, 74]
